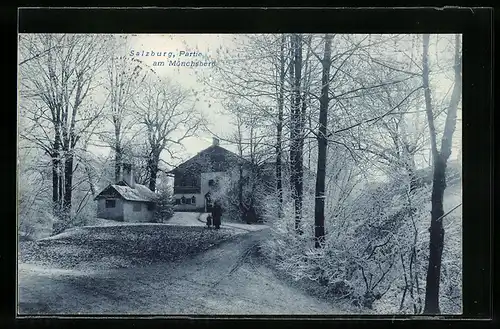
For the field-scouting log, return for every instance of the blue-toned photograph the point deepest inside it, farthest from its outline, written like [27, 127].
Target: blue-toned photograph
[239, 174]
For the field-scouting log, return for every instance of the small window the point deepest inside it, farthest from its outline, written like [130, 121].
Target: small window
[137, 206]
[211, 182]
[177, 201]
[193, 200]
[183, 200]
[188, 201]
[110, 203]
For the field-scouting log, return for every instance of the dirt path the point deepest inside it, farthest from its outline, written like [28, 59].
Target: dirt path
[202, 219]
[228, 279]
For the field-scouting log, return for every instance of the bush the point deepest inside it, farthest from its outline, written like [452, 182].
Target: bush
[164, 208]
[227, 193]
[376, 248]
[84, 212]
[35, 226]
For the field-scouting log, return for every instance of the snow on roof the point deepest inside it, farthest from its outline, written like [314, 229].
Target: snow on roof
[214, 155]
[138, 193]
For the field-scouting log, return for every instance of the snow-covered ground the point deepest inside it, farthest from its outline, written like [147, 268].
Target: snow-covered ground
[246, 227]
[75, 232]
[197, 219]
[225, 279]
[45, 271]
[178, 219]
[185, 219]
[98, 222]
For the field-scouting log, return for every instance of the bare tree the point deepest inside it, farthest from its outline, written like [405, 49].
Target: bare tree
[440, 158]
[58, 86]
[248, 137]
[124, 75]
[166, 112]
[396, 139]
[255, 74]
[239, 143]
[296, 130]
[279, 124]
[31, 50]
[319, 207]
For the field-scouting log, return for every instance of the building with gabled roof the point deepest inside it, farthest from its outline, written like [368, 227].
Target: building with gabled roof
[198, 177]
[126, 200]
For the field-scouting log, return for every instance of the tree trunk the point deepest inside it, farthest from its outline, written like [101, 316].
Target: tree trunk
[241, 208]
[153, 171]
[279, 186]
[300, 139]
[56, 169]
[279, 182]
[118, 155]
[61, 185]
[309, 144]
[293, 123]
[68, 184]
[440, 159]
[58, 195]
[319, 204]
[410, 168]
[436, 238]
[297, 154]
[65, 191]
[55, 182]
[152, 179]
[91, 184]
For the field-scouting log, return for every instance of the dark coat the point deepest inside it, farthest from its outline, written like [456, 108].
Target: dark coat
[216, 214]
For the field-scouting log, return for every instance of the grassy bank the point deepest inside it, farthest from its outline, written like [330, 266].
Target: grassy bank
[120, 246]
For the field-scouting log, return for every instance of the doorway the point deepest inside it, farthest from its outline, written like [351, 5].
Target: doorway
[208, 202]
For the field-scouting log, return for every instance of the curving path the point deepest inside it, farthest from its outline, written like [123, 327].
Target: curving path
[228, 279]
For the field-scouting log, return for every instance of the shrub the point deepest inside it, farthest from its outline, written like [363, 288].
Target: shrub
[228, 191]
[34, 226]
[376, 248]
[164, 208]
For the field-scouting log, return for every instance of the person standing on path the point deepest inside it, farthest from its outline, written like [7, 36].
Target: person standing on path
[216, 214]
[209, 221]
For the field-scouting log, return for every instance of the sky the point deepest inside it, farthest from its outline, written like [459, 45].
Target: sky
[206, 45]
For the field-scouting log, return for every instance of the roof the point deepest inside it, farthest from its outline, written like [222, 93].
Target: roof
[139, 193]
[214, 155]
